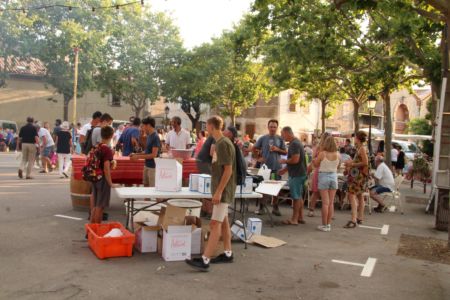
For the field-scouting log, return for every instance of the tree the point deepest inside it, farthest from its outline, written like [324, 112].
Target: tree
[189, 83]
[56, 32]
[140, 47]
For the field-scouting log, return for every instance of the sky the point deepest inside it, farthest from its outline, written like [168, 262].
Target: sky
[200, 20]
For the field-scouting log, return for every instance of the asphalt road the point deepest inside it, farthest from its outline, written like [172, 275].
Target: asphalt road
[46, 257]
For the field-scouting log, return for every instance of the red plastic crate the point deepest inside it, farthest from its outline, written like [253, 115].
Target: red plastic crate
[105, 247]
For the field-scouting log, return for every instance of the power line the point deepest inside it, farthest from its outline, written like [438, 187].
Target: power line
[70, 7]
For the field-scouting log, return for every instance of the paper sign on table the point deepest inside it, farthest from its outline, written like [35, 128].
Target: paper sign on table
[270, 187]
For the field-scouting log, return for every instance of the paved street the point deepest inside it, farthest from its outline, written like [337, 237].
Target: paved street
[45, 257]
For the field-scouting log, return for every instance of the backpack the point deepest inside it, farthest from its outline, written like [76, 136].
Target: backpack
[92, 170]
[86, 147]
[241, 166]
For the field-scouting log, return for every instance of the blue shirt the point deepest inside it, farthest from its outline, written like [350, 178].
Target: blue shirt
[152, 142]
[271, 157]
[126, 140]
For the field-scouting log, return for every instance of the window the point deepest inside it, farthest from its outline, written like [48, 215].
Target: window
[292, 107]
[115, 100]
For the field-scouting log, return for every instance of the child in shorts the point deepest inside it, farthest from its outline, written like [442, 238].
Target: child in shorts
[101, 190]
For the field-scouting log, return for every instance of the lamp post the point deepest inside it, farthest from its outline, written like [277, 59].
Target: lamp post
[167, 111]
[371, 102]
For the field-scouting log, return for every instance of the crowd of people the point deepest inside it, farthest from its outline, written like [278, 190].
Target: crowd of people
[310, 169]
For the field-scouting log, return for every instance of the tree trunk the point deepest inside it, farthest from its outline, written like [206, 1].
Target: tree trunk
[67, 99]
[323, 115]
[356, 114]
[387, 125]
[233, 119]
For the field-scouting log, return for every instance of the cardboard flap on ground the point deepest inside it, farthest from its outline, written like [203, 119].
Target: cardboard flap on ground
[270, 187]
[266, 241]
[171, 215]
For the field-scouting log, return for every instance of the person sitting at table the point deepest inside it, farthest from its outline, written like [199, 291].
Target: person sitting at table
[223, 188]
[327, 161]
[268, 150]
[151, 151]
[296, 168]
[177, 138]
[384, 183]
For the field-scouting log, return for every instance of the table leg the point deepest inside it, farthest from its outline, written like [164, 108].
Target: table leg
[128, 213]
[132, 215]
[244, 221]
[269, 214]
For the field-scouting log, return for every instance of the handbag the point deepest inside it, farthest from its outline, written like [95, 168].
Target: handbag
[265, 172]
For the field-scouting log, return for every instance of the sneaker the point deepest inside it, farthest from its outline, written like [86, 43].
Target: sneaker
[198, 264]
[20, 173]
[311, 213]
[65, 175]
[324, 228]
[221, 259]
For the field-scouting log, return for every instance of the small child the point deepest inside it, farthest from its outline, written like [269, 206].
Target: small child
[101, 189]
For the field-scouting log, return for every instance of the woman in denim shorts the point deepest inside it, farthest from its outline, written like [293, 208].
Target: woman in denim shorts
[327, 161]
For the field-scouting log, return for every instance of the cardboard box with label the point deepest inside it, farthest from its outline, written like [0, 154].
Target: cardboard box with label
[204, 184]
[146, 238]
[247, 188]
[238, 231]
[168, 176]
[176, 243]
[254, 226]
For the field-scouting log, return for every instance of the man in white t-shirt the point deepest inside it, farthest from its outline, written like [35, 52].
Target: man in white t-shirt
[47, 146]
[385, 183]
[177, 138]
[86, 127]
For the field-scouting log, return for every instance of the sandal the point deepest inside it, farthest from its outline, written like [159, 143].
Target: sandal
[301, 222]
[288, 222]
[359, 221]
[350, 224]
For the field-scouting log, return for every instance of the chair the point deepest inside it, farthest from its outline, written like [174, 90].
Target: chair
[394, 197]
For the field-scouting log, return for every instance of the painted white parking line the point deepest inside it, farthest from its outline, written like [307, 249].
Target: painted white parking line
[383, 230]
[68, 217]
[368, 267]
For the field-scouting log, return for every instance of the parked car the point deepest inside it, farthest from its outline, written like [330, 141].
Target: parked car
[410, 148]
[5, 124]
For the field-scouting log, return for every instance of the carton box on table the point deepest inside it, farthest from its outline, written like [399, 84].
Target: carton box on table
[247, 188]
[193, 182]
[204, 184]
[168, 175]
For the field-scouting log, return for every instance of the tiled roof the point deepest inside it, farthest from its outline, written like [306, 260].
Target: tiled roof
[28, 66]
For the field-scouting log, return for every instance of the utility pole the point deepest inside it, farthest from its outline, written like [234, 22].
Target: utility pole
[75, 86]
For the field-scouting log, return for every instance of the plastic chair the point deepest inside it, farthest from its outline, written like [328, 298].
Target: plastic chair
[394, 197]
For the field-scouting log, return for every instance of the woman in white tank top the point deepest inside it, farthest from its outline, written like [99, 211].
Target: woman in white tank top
[327, 161]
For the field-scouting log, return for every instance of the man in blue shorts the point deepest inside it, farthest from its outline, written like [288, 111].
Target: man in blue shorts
[296, 168]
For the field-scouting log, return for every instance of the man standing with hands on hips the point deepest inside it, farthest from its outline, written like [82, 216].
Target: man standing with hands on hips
[223, 188]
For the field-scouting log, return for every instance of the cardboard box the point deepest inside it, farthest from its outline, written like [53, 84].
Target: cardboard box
[171, 215]
[204, 184]
[254, 225]
[146, 238]
[176, 243]
[193, 182]
[270, 187]
[238, 231]
[168, 177]
[247, 188]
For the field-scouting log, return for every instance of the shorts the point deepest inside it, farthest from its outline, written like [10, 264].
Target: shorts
[328, 181]
[219, 212]
[379, 189]
[148, 177]
[47, 151]
[296, 185]
[101, 192]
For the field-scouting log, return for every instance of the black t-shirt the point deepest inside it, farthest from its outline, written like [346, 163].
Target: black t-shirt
[63, 145]
[205, 153]
[28, 134]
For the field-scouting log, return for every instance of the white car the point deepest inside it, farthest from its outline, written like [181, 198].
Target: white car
[411, 149]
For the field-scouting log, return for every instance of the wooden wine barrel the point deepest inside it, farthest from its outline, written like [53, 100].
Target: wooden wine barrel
[80, 193]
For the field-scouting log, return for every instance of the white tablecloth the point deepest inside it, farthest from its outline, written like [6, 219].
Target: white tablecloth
[185, 193]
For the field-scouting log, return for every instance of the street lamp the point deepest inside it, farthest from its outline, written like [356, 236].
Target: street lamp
[371, 102]
[167, 111]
